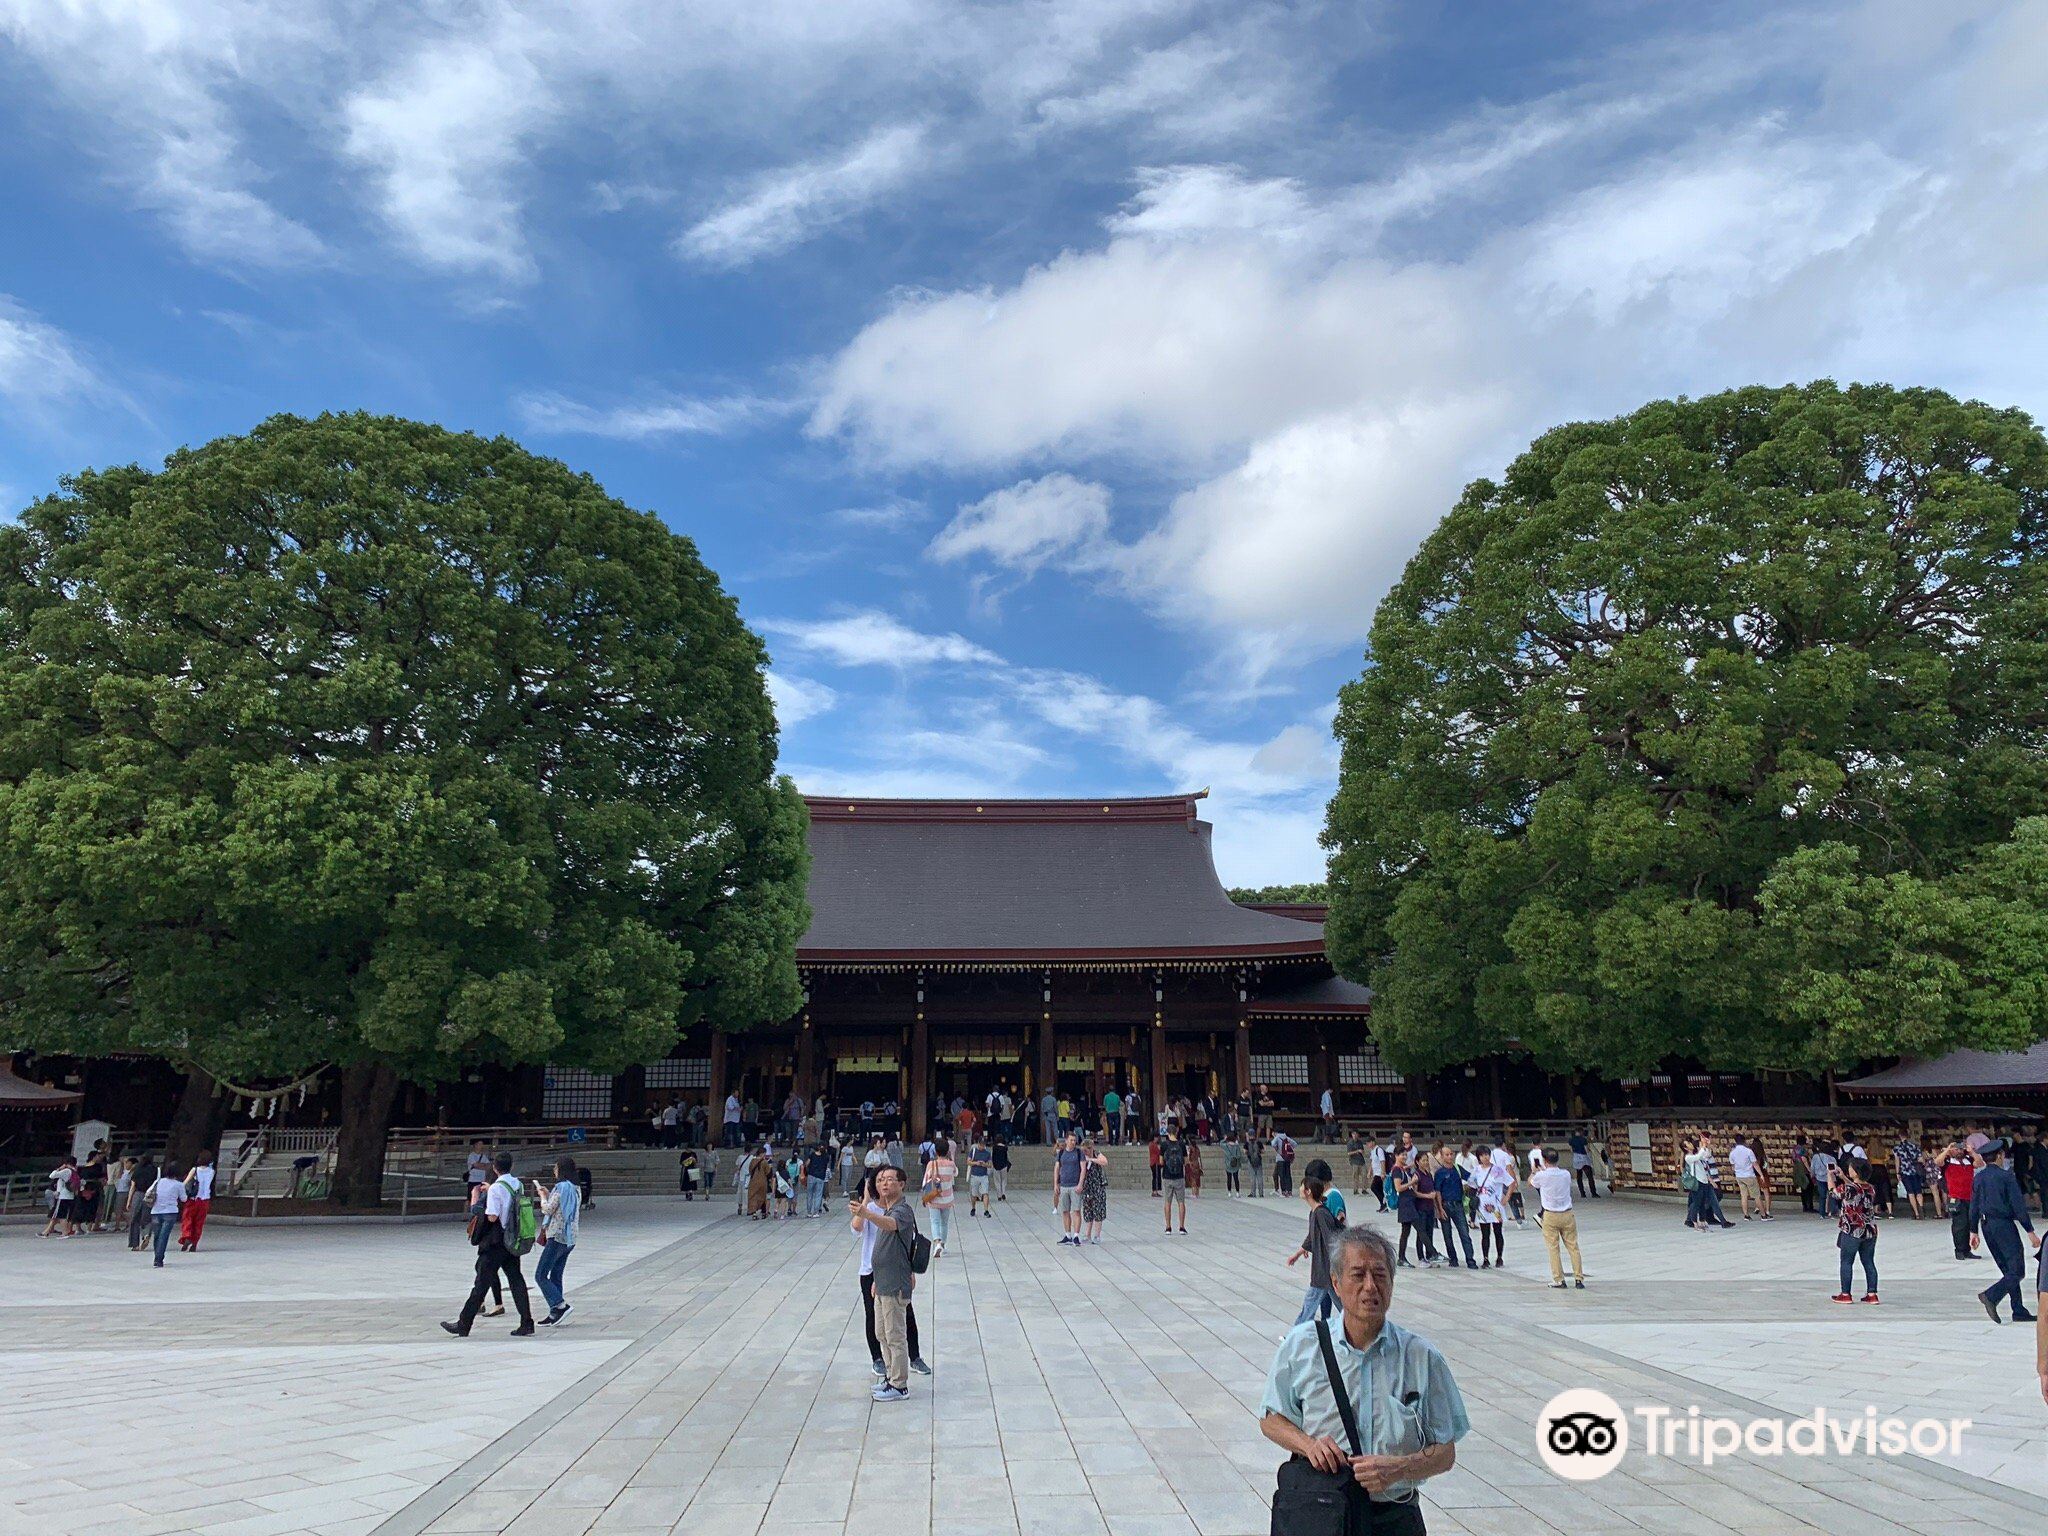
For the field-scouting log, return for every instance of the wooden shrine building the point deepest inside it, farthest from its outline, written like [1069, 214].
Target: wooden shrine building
[959, 945]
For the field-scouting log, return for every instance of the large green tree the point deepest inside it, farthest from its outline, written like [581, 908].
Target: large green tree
[1712, 732]
[359, 741]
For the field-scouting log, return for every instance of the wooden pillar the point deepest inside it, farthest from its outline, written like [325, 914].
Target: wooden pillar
[1243, 1053]
[806, 1075]
[1048, 1056]
[916, 1114]
[1320, 1074]
[715, 1110]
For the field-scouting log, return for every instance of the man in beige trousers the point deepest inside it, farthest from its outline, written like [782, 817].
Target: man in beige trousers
[1553, 1186]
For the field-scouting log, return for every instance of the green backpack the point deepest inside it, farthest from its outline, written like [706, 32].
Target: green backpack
[525, 1223]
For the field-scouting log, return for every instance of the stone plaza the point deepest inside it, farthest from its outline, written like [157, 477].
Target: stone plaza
[714, 1378]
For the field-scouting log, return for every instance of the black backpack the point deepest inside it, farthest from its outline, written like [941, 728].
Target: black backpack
[917, 1248]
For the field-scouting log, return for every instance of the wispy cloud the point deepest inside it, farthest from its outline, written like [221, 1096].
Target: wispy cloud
[871, 638]
[1023, 526]
[546, 412]
[798, 699]
[792, 205]
[42, 370]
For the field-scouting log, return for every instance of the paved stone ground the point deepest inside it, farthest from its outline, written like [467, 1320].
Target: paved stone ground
[714, 1378]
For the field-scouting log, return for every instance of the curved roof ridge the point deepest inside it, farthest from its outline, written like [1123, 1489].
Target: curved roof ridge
[1178, 807]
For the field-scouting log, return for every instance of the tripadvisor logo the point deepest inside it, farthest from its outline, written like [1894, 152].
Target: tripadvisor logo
[1582, 1434]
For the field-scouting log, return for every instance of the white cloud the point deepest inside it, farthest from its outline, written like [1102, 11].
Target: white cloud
[894, 513]
[1005, 727]
[153, 86]
[794, 204]
[643, 421]
[871, 638]
[798, 699]
[41, 369]
[1026, 524]
[445, 138]
[1314, 372]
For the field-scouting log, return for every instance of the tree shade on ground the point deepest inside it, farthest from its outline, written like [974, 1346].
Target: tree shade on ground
[356, 740]
[1714, 732]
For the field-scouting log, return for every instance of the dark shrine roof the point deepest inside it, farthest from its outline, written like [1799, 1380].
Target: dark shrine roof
[1027, 880]
[1959, 1072]
[20, 1093]
[1329, 994]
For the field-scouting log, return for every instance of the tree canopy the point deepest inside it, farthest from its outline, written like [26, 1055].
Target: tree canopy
[357, 740]
[1311, 893]
[1718, 731]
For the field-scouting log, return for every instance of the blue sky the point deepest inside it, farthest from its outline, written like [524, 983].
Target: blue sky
[1058, 385]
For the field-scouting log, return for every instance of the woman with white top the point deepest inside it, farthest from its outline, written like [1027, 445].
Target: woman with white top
[166, 1196]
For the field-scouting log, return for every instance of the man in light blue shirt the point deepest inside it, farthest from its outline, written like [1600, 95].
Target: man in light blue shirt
[1409, 1411]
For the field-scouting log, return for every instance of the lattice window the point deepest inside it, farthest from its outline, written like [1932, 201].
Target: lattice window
[1280, 1071]
[680, 1072]
[571, 1093]
[1366, 1070]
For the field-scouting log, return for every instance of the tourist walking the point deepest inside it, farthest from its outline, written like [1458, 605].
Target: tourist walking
[1909, 1163]
[817, 1174]
[1194, 1168]
[198, 1201]
[1354, 1153]
[1583, 1181]
[1449, 1179]
[1173, 1169]
[1067, 1168]
[166, 1196]
[477, 1170]
[1094, 1193]
[1320, 1300]
[1742, 1162]
[999, 1169]
[561, 1204]
[141, 1179]
[1368, 1404]
[1958, 1178]
[890, 1280]
[1112, 1114]
[1255, 1161]
[1409, 1214]
[1821, 1163]
[1553, 1188]
[1999, 1207]
[1703, 1202]
[979, 1167]
[501, 1233]
[688, 1173]
[1283, 1165]
[1049, 1118]
[1152, 1159]
[1428, 1209]
[1376, 1165]
[63, 1198]
[1489, 1185]
[92, 1188]
[472, 1214]
[1856, 1228]
[940, 1174]
[1233, 1165]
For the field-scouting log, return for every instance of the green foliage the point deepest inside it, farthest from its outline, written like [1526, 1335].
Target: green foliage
[360, 740]
[1712, 731]
[1313, 892]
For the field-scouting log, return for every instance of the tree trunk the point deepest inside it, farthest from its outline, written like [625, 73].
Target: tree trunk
[369, 1091]
[197, 1123]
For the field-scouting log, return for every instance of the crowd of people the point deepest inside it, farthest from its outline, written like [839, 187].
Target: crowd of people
[142, 1195]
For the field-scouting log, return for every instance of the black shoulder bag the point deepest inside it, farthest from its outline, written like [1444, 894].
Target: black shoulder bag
[1309, 1502]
